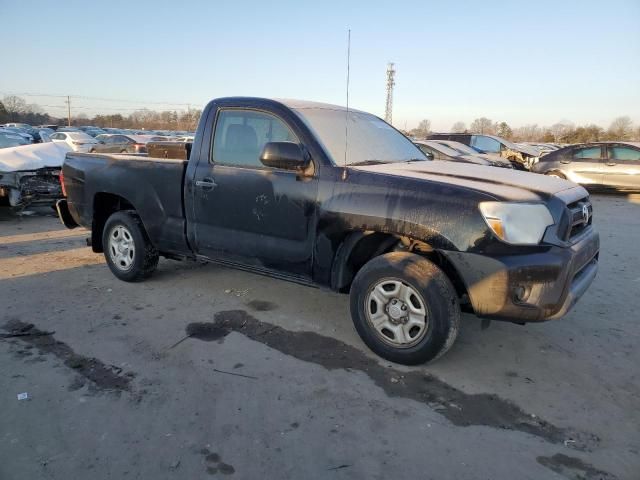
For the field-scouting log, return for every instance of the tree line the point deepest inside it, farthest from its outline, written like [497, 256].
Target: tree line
[622, 128]
[16, 109]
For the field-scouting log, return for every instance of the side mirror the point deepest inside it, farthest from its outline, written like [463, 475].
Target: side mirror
[429, 155]
[284, 155]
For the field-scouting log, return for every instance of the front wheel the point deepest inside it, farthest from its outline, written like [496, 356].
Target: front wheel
[405, 308]
[127, 249]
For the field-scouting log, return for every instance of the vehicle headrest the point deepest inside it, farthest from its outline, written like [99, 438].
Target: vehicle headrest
[241, 137]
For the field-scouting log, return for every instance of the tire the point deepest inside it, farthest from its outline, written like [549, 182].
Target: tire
[555, 173]
[129, 253]
[123, 151]
[423, 287]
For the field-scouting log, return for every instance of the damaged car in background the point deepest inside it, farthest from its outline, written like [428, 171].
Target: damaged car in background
[30, 174]
[522, 157]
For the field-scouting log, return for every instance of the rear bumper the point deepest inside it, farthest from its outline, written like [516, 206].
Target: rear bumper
[64, 214]
[529, 288]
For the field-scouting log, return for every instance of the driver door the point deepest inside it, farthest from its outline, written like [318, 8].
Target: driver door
[584, 165]
[249, 214]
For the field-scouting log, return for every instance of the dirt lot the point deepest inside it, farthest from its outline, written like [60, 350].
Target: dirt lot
[204, 371]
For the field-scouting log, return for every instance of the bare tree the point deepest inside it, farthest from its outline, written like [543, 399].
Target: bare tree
[482, 125]
[621, 129]
[561, 130]
[528, 133]
[422, 130]
[459, 127]
[14, 106]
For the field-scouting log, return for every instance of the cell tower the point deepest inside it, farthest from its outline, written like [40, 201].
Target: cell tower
[388, 110]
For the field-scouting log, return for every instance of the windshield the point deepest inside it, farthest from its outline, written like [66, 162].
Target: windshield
[460, 147]
[79, 136]
[369, 139]
[442, 148]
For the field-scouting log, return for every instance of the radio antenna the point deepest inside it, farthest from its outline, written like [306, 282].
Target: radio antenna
[346, 118]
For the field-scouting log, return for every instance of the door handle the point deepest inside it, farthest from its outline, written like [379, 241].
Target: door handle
[565, 161]
[206, 183]
[611, 164]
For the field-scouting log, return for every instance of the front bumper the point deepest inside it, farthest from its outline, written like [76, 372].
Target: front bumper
[34, 187]
[529, 288]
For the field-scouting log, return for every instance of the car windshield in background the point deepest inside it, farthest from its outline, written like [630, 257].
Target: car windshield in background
[368, 139]
[80, 136]
[460, 147]
[442, 148]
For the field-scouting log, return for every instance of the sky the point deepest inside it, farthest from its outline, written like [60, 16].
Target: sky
[522, 62]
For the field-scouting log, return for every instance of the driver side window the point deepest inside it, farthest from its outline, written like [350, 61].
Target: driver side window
[240, 136]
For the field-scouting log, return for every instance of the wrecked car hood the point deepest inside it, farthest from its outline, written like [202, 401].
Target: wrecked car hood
[33, 157]
[502, 183]
[527, 149]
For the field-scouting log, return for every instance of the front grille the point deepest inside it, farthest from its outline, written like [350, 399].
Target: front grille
[578, 222]
[46, 183]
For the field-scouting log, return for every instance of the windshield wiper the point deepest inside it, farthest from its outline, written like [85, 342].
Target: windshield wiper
[367, 162]
[416, 160]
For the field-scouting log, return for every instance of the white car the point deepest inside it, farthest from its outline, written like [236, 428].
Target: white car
[78, 141]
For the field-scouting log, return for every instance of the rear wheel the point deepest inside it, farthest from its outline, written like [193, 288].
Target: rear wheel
[405, 308]
[127, 249]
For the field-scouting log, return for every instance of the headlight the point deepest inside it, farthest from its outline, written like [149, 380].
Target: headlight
[517, 223]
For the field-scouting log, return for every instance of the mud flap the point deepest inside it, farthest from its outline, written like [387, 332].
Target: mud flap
[64, 214]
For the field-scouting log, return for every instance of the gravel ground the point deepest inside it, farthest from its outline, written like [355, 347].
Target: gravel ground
[203, 371]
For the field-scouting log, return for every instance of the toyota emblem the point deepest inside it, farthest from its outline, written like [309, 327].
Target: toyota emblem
[585, 214]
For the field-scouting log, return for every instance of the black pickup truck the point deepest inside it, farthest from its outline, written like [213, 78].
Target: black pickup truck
[339, 199]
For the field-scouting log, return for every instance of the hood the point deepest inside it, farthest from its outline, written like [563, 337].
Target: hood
[478, 159]
[487, 159]
[33, 157]
[527, 149]
[500, 183]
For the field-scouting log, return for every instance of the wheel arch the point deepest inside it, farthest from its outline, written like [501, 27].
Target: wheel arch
[104, 205]
[359, 247]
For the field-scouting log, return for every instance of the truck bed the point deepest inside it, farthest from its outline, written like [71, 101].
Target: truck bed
[153, 187]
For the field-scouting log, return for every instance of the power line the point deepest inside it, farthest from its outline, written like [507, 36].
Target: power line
[102, 99]
[119, 109]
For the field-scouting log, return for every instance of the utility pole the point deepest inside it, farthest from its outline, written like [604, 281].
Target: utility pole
[68, 111]
[388, 111]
